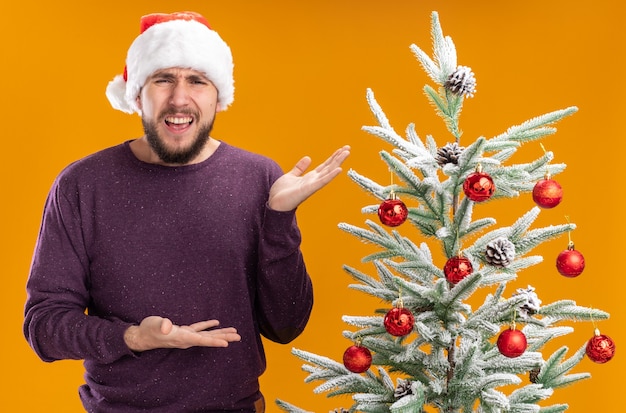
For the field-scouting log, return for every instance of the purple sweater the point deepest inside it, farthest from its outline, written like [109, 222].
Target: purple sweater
[124, 240]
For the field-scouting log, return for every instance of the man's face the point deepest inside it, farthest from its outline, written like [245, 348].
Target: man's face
[178, 110]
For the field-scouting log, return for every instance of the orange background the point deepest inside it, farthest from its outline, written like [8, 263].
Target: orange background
[301, 72]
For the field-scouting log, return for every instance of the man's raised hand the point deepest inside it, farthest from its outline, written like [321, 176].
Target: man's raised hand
[293, 188]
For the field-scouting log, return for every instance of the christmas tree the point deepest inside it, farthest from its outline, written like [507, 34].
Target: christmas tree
[430, 349]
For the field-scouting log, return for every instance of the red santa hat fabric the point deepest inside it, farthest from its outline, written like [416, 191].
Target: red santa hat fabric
[182, 39]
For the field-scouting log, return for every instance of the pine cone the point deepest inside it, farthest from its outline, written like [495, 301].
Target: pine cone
[449, 154]
[462, 82]
[403, 389]
[532, 304]
[500, 252]
[534, 375]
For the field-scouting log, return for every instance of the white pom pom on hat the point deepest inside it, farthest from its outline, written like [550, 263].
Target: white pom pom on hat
[182, 39]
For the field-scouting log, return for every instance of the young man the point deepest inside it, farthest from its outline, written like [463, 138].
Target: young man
[146, 245]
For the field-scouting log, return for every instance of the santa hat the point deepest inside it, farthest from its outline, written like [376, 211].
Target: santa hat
[181, 39]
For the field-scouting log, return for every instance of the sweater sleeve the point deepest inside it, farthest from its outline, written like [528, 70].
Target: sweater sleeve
[56, 324]
[285, 292]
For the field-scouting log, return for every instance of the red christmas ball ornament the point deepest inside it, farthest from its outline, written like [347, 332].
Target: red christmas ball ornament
[570, 262]
[392, 212]
[478, 186]
[399, 321]
[547, 193]
[512, 343]
[457, 268]
[357, 358]
[600, 348]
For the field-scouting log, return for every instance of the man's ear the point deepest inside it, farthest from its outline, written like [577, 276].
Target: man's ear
[138, 101]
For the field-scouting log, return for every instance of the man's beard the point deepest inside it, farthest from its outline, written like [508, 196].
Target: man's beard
[180, 156]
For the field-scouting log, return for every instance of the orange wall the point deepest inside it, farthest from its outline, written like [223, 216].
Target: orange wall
[302, 69]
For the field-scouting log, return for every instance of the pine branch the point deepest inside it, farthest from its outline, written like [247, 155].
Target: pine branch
[377, 111]
[557, 408]
[455, 105]
[444, 54]
[476, 226]
[368, 408]
[495, 362]
[553, 374]
[570, 379]
[492, 400]
[497, 275]
[380, 237]
[364, 321]
[290, 408]
[439, 103]
[472, 155]
[538, 336]
[501, 146]
[530, 394]
[568, 310]
[407, 149]
[415, 293]
[431, 69]
[498, 380]
[421, 272]
[511, 180]
[537, 166]
[364, 278]
[395, 245]
[320, 361]
[448, 106]
[351, 384]
[533, 129]
[338, 380]
[367, 184]
[492, 313]
[464, 289]
[385, 289]
[424, 216]
[536, 237]
[419, 189]
[443, 49]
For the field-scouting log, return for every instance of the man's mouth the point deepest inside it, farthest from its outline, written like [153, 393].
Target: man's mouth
[178, 120]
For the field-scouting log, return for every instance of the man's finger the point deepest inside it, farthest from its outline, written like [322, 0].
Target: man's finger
[166, 326]
[335, 159]
[301, 166]
[203, 325]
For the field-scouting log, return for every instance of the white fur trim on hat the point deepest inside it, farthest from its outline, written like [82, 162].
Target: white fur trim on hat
[175, 43]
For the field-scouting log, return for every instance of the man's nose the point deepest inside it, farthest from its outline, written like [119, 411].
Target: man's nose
[180, 94]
